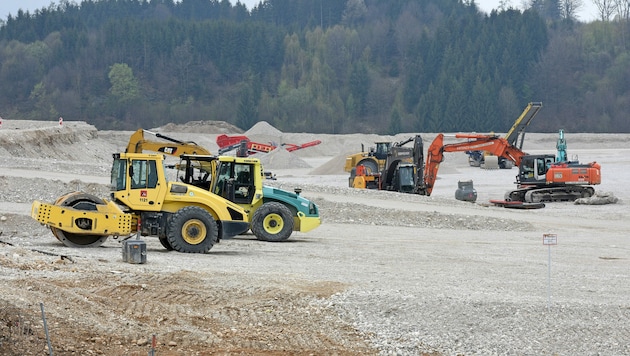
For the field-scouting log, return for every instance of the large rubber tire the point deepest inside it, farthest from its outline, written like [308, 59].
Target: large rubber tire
[79, 201]
[370, 164]
[192, 230]
[165, 243]
[272, 222]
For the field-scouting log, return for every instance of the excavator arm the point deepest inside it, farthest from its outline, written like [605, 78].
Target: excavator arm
[496, 145]
[516, 134]
[138, 143]
[515, 137]
[172, 147]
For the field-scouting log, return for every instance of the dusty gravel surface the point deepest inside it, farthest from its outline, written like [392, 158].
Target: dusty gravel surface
[385, 273]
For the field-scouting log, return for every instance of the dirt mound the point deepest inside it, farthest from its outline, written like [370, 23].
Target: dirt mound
[210, 127]
[282, 159]
[333, 166]
[263, 128]
[39, 139]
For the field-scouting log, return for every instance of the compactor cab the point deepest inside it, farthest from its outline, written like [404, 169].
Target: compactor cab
[236, 179]
[239, 180]
[137, 182]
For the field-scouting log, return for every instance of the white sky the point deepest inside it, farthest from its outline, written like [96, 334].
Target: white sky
[588, 12]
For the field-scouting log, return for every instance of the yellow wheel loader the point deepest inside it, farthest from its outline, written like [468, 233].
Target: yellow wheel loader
[184, 217]
[376, 159]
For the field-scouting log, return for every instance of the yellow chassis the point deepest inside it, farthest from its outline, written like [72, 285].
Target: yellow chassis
[303, 223]
[108, 219]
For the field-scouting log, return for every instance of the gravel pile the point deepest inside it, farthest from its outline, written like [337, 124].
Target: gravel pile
[353, 213]
[282, 159]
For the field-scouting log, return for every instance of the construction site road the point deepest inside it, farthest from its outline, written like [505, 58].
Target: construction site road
[385, 273]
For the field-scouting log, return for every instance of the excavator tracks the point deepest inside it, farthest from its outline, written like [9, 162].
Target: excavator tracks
[551, 194]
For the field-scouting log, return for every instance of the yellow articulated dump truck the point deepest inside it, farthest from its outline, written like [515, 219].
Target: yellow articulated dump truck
[184, 217]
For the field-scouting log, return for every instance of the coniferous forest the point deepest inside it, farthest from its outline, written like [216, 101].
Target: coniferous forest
[321, 66]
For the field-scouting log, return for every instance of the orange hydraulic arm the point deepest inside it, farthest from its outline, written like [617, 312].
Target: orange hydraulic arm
[496, 145]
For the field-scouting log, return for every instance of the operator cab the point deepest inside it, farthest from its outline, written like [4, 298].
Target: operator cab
[196, 170]
[382, 149]
[235, 181]
[138, 180]
[533, 168]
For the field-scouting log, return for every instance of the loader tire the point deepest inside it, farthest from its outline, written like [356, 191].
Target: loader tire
[370, 165]
[272, 222]
[165, 243]
[192, 230]
[79, 201]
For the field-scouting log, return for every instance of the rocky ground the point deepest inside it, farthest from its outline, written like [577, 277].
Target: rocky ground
[385, 273]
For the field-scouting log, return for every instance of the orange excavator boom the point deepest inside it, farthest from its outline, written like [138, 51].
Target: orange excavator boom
[496, 145]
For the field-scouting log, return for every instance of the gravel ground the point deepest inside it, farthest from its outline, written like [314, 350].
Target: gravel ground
[385, 273]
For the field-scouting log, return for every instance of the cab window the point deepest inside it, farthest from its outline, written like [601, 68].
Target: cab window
[223, 176]
[119, 174]
[243, 174]
[541, 166]
[144, 174]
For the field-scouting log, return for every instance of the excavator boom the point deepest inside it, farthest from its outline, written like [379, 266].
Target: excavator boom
[515, 137]
[138, 143]
[496, 145]
[516, 134]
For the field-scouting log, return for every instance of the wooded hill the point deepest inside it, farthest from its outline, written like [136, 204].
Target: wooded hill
[325, 66]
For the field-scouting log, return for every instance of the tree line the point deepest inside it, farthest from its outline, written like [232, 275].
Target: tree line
[325, 66]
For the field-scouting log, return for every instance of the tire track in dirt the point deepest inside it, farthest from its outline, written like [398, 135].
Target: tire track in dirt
[185, 309]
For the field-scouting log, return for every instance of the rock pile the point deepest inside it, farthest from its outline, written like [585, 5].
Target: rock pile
[282, 159]
[207, 126]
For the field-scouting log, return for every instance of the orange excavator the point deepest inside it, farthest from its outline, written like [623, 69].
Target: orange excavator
[540, 178]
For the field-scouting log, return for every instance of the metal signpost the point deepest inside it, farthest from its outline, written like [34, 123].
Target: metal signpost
[549, 240]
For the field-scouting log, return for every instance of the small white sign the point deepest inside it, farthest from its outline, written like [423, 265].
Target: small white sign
[550, 239]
